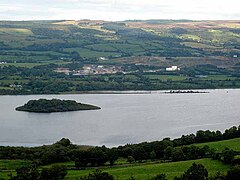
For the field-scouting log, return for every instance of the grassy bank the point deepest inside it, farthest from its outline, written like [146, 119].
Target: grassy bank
[139, 171]
[146, 171]
[219, 146]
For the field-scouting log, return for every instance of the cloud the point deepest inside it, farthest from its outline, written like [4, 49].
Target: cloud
[119, 9]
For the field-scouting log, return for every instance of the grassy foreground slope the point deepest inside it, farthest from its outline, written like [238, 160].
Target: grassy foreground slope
[12, 164]
[9, 166]
[146, 171]
[140, 171]
[219, 146]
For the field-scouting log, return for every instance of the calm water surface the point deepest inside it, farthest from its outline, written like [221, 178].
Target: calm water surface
[124, 118]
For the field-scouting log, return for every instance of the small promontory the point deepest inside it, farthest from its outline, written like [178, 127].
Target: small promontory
[54, 105]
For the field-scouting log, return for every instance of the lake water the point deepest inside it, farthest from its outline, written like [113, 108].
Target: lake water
[124, 118]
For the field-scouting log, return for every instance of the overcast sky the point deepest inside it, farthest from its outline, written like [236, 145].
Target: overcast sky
[119, 9]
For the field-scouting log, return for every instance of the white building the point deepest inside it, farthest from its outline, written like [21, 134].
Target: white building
[102, 58]
[173, 68]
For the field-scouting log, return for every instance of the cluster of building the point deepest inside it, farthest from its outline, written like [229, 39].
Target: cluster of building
[16, 86]
[97, 69]
[63, 70]
[91, 70]
[3, 62]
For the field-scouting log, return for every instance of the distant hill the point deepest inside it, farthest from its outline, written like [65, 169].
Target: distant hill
[97, 55]
[44, 41]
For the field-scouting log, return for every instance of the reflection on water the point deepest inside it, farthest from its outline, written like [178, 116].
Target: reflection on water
[124, 118]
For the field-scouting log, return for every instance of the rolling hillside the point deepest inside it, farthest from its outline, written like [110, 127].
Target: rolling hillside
[35, 56]
[39, 41]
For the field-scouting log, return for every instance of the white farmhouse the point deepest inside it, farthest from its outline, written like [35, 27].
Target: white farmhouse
[102, 58]
[173, 68]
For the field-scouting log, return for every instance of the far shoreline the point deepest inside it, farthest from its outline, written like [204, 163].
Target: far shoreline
[201, 91]
[140, 92]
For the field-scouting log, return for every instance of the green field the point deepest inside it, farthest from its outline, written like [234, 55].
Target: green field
[199, 45]
[12, 164]
[101, 47]
[146, 171]
[8, 166]
[87, 53]
[166, 77]
[219, 146]
[218, 77]
[33, 64]
[182, 78]
[139, 171]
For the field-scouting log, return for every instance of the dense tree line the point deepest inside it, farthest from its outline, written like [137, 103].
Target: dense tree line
[199, 172]
[43, 80]
[56, 172]
[167, 149]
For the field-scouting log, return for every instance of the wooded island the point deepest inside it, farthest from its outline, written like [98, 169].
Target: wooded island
[54, 105]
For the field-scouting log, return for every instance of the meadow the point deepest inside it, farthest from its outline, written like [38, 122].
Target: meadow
[139, 171]
[143, 172]
[219, 146]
